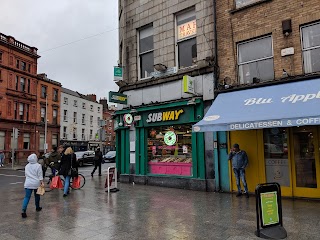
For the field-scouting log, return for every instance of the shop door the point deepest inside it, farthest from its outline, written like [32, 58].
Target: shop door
[305, 166]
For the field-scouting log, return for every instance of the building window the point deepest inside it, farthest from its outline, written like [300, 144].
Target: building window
[311, 47]
[29, 67]
[26, 141]
[74, 133]
[54, 140]
[83, 105]
[91, 108]
[0, 75]
[28, 85]
[55, 95]
[41, 141]
[55, 116]
[83, 119]
[43, 91]
[22, 84]
[74, 117]
[17, 83]
[15, 108]
[170, 150]
[255, 60]
[75, 103]
[27, 112]
[65, 136]
[83, 135]
[91, 121]
[21, 111]
[243, 3]
[23, 66]
[43, 114]
[65, 115]
[91, 134]
[65, 101]
[0, 56]
[146, 52]
[2, 140]
[98, 109]
[17, 64]
[186, 38]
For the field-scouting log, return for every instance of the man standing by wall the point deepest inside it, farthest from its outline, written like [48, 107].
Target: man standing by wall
[239, 163]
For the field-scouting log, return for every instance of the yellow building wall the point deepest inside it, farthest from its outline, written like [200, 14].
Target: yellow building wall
[250, 141]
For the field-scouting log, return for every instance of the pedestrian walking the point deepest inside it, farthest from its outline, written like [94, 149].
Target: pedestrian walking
[97, 161]
[68, 163]
[1, 158]
[34, 179]
[54, 160]
[239, 163]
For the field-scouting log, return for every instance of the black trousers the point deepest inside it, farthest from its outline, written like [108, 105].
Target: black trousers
[96, 165]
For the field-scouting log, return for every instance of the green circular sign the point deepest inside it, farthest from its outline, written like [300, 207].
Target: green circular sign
[170, 138]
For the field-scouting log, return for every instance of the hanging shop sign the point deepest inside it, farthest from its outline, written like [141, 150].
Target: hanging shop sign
[188, 84]
[170, 138]
[116, 97]
[117, 73]
[187, 29]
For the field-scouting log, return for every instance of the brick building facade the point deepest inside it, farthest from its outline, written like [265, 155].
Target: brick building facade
[18, 95]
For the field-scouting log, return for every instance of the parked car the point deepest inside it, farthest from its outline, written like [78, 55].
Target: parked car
[110, 156]
[85, 157]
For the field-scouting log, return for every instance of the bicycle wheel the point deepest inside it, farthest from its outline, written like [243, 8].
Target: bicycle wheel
[82, 181]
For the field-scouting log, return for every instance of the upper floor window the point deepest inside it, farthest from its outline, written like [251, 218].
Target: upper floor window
[91, 107]
[91, 121]
[22, 84]
[311, 47]
[65, 115]
[242, 3]
[0, 56]
[43, 113]
[29, 85]
[82, 135]
[186, 38]
[29, 67]
[65, 101]
[17, 83]
[98, 109]
[83, 105]
[0, 73]
[55, 95]
[146, 51]
[55, 116]
[21, 111]
[83, 119]
[75, 117]
[255, 60]
[17, 63]
[43, 91]
[75, 103]
[23, 66]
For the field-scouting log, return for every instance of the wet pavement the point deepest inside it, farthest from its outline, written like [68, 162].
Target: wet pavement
[144, 212]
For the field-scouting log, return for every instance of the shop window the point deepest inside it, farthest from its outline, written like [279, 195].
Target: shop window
[170, 150]
[26, 141]
[2, 140]
[255, 60]
[41, 141]
[276, 155]
[146, 52]
[186, 38]
[311, 47]
[54, 140]
[243, 3]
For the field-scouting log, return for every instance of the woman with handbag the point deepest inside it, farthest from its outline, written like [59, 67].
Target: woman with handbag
[34, 179]
[68, 168]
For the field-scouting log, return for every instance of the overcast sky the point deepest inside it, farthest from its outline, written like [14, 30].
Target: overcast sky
[85, 66]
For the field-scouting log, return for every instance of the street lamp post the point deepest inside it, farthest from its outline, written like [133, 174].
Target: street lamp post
[46, 126]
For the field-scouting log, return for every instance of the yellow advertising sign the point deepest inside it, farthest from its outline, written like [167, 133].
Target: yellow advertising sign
[187, 29]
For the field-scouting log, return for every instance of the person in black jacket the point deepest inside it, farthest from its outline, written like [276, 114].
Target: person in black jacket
[68, 161]
[97, 161]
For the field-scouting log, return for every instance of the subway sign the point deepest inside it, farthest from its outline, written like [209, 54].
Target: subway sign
[116, 97]
[164, 116]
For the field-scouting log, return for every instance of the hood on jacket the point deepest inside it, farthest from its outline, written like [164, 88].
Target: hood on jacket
[54, 154]
[32, 158]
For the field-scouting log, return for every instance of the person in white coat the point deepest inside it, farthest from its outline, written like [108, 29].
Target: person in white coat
[34, 178]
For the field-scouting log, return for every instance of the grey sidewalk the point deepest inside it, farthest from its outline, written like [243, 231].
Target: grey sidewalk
[145, 212]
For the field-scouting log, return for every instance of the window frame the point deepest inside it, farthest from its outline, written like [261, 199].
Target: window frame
[1, 56]
[26, 136]
[45, 93]
[42, 118]
[145, 52]
[55, 95]
[65, 115]
[83, 119]
[308, 49]
[75, 103]
[22, 84]
[55, 116]
[177, 41]
[65, 100]
[75, 116]
[247, 5]
[64, 132]
[256, 60]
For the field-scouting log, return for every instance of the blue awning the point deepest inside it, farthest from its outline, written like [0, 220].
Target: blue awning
[282, 105]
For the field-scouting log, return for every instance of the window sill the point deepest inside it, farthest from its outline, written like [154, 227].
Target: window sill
[235, 10]
[147, 78]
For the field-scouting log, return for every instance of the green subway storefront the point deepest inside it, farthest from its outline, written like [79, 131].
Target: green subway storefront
[156, 146]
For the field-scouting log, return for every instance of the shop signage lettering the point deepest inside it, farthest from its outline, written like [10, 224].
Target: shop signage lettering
[293, 98]
[187, 29]
[118, 97]
[164, 116]
[275, 123]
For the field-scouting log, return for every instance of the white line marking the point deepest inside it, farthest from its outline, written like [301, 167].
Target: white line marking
[6, 175]
[16, 183]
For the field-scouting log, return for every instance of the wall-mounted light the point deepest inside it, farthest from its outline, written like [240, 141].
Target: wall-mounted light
[160, 67]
